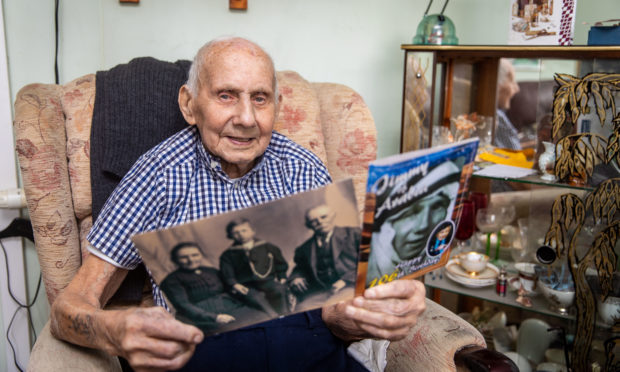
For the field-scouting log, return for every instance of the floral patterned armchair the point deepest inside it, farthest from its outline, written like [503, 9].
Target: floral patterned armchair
[52, 129]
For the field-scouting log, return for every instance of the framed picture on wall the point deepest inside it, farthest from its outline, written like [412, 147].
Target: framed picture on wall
[542, 22]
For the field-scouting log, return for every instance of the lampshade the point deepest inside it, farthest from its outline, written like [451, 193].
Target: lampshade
[436, 29]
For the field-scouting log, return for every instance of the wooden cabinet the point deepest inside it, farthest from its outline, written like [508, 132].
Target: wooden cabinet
[570, 97]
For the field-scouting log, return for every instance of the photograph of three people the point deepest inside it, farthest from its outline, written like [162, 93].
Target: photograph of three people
[250, 265]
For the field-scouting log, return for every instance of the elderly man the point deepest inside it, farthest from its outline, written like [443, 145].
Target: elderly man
[325, 263]
[228, 158]
[506, 135]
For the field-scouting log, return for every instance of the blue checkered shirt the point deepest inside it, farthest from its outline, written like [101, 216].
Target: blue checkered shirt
[178, 181]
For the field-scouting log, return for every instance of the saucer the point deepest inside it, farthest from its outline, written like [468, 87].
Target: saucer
[485, 278]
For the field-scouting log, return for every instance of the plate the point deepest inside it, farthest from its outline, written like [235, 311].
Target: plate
[470, 283]
[485, 278]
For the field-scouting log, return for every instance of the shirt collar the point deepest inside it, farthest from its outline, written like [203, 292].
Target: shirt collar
[320, 239]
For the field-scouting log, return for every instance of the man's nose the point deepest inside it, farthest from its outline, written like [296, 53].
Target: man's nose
[423, 220]
[245, 112]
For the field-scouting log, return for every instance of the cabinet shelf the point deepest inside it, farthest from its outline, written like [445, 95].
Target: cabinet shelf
[535, 179]
[439, 281]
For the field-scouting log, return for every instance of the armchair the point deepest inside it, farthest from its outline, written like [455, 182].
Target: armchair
[53, 141]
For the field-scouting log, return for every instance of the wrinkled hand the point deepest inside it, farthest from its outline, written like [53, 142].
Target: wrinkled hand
[386, 311]
[224, 318]
[338, 285]
[151, 339]
[241, 288]
[299, 285]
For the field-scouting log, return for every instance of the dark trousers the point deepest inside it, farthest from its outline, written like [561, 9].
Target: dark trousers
[298, 343]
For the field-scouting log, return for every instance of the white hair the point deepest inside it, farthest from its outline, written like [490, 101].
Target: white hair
[505, 65]
[194, 75]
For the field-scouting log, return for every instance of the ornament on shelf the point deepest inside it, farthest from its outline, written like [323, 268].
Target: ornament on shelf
[546, 161]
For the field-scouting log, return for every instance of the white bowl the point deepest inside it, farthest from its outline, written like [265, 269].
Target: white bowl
[559, 300]
[609, 311]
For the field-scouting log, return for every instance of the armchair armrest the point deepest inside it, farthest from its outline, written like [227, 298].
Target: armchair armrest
[52, 354]
[434, 342]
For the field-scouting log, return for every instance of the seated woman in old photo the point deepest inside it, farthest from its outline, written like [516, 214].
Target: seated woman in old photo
[198, 294]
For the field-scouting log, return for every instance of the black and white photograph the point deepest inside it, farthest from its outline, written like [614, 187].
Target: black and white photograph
[259, 263]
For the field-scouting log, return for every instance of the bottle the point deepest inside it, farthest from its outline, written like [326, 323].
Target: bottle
[502, 280]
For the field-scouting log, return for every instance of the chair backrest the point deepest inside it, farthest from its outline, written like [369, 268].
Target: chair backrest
[52, 130]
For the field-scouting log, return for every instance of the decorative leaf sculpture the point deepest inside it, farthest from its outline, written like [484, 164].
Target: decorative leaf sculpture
[568, 215]
[580, 152]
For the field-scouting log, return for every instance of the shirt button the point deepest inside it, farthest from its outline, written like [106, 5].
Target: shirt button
[213, 164]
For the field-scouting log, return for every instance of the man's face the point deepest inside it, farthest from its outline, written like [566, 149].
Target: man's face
[507, 88]
[242, 233]
[413, 225]
[235, 107]
[189, 258]
[321, 219]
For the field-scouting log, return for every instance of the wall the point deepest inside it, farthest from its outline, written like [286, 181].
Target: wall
[353, 42]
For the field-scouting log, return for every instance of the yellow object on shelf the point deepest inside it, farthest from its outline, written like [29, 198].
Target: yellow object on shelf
[516, 158]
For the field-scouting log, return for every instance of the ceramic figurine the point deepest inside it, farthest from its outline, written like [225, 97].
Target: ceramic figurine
[546, 161]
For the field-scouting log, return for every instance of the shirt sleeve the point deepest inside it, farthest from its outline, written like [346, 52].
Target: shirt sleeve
[132, 208]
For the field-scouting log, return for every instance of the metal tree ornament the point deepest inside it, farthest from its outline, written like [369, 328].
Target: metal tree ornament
[580, 153]
[568, 216]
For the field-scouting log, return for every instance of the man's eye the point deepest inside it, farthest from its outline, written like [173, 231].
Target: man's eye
[260, 99]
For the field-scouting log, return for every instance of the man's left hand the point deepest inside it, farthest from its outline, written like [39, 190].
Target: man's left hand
[387, 311]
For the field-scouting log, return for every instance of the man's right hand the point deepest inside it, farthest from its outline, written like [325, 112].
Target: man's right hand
[224, 318]
[150, 339]
[241, 288]
[299, 285]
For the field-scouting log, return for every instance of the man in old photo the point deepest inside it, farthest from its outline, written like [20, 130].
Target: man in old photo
[326, 263]
[228, 158]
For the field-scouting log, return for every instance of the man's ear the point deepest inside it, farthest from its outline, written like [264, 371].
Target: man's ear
[185, 104]
[278, 106]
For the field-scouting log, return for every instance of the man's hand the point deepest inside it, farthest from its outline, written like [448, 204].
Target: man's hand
[150, 338]
[338, 285]
[241, 288]
[386, 311]
[299, 285]
[224, 318]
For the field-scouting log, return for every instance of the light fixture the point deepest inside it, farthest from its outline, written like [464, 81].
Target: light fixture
[436, 29]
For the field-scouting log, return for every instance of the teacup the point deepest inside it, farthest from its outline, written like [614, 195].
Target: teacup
[527, 276]
[473, 262]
